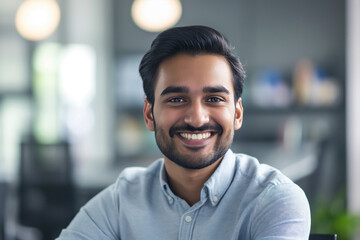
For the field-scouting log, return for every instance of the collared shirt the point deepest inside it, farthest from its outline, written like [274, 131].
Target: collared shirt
[241, 200]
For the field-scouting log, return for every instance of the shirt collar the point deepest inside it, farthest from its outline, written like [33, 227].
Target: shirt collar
[221, 179]
[216, 186]
[163, 177]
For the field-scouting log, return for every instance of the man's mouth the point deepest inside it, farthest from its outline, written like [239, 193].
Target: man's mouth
[195, 136]
[192, 133]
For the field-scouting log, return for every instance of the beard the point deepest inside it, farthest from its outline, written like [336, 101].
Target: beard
[167, 146]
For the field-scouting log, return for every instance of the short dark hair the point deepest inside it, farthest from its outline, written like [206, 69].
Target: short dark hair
[191, 40]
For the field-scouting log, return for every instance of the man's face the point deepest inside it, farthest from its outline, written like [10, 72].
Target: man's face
[194, 115]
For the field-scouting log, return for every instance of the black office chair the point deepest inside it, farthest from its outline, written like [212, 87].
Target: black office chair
[3, 196]
[322, 236]
[46, 191]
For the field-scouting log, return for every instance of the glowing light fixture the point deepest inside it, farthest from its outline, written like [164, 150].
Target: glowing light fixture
[37, 19]
[156, 15]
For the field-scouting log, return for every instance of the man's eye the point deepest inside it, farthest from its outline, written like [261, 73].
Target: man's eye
[215, 99]
[176, 100]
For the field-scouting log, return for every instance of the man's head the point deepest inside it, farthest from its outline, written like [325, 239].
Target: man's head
[191, 95]
[191, 40]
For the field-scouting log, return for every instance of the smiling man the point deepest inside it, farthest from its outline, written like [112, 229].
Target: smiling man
[200, 189]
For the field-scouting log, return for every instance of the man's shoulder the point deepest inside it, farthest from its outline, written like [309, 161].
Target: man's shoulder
[261, 181]
[250, 168]
[135, 175]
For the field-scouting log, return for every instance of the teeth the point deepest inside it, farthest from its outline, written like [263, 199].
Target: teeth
[194, 136]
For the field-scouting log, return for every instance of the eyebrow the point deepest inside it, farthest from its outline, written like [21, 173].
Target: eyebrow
[174, 89]
[216, 89]
[181, 89]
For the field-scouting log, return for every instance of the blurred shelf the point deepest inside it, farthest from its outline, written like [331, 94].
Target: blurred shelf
[294, 110]
[130, 110]
[24, 93]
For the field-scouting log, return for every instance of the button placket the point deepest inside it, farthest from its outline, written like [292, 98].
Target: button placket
[188, 221]
[170, 199]
[186, 226]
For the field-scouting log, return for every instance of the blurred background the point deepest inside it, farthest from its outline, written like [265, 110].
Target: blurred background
[71, 100]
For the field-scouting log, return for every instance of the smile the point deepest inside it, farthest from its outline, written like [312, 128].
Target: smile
[195, 136]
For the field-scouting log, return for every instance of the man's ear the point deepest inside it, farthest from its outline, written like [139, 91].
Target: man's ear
[148, 115]
[238, 115]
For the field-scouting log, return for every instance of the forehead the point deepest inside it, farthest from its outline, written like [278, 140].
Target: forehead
[195, 72]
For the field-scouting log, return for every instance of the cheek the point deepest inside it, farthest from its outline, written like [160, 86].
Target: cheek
[225, 117]
[165, 118]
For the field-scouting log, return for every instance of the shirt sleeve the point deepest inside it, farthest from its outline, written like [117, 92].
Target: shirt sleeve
[98, 219]
[282, 213]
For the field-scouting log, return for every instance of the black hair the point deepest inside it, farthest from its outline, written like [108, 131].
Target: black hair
[191, 40]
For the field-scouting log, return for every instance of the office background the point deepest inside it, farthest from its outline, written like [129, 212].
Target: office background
[71, 104]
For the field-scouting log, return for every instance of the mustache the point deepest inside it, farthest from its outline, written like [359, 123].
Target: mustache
[188, 128]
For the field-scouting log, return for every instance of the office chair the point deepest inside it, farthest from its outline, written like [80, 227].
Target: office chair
[322, 236]
[46, 191]
[3, 196]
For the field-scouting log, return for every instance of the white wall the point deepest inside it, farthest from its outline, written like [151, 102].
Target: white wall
[353, 104]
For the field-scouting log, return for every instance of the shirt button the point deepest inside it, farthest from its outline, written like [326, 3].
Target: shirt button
[188, 219]
[170, 199]
[215, 198]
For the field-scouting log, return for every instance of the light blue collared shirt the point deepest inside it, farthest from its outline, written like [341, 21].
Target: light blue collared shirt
[241, 200]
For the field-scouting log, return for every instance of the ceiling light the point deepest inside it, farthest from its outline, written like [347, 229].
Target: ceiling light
[156, 15]
[37, 19]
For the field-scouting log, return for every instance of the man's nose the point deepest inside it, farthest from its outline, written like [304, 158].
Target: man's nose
[196, 115]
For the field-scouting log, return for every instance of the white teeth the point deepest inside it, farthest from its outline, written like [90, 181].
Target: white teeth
[194, 136]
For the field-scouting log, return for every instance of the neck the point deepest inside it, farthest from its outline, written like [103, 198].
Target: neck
[187, 183]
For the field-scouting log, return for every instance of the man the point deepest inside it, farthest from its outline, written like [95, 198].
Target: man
[200, 189]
